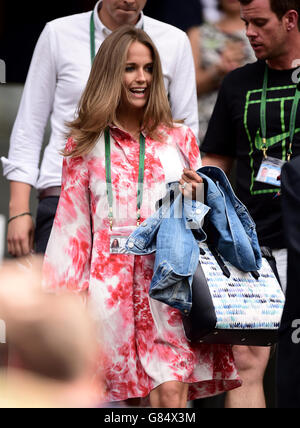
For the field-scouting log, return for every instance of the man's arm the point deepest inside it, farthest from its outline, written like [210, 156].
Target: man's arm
[21, 167]
[182, 90]
[219, 146]
[221, 161]
[20, 231]
[34, 110]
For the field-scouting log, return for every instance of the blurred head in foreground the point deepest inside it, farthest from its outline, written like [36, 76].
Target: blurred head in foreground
[52, 344]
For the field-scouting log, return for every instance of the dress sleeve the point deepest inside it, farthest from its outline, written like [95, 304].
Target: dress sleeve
[67, 258]
[192, 150]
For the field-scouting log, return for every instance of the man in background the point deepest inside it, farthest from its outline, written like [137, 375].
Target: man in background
[256, 123]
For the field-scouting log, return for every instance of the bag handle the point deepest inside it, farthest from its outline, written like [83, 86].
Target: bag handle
[219, 260]
[221, 263]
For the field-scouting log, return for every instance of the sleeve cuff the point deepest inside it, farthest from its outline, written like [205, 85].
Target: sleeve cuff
[16, 172]
[195, 212]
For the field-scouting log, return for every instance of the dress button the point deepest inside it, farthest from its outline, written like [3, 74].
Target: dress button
[198, 211]
[131, 245]
[144, 224]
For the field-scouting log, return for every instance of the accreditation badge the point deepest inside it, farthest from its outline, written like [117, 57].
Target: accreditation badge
[118, 239]
[270, 171]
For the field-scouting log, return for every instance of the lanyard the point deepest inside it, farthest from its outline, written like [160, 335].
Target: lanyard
[108, 177]
[92, 38]
[263, 118]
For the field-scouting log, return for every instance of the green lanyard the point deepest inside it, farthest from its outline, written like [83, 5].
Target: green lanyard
[263, 118]
[108, 177]
[92, 38]
[108, 151]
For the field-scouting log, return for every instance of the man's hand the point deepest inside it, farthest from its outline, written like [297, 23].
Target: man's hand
[20, 231]
[191, 185]
[20, 236]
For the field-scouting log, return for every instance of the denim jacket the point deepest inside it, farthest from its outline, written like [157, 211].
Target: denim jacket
[236, 238]
[169, 233]
[175, 231]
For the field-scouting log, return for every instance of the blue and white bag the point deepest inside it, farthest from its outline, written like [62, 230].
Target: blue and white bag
[234, 307]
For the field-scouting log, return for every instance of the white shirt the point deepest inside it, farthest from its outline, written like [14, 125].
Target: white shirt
[57, 76]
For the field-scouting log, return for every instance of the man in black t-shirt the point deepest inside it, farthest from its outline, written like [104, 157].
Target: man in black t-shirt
[234, 133]
[253, 124]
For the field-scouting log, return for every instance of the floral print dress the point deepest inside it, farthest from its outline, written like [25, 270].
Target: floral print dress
[142, 340]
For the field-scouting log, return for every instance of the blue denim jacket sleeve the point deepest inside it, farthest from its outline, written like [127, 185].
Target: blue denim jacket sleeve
[169, 233]
[143, 240]
[194, 213]
[177, 254]
[236, 237]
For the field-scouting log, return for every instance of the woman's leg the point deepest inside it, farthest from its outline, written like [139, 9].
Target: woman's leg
[171, 394]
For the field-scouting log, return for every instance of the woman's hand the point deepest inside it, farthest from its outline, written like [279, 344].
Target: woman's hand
[191, 185]
[232, 57]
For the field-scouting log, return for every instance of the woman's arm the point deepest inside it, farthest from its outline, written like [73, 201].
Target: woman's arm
[210, 78]
[67, 258]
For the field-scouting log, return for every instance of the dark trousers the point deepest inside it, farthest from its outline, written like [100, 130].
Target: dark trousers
[44, 221]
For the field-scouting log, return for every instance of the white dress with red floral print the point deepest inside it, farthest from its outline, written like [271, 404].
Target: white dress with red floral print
[142, 340]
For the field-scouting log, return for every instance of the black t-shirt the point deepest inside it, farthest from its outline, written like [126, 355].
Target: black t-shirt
[233, 129]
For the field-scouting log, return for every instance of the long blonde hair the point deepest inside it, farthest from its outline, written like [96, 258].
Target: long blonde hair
[100, 100]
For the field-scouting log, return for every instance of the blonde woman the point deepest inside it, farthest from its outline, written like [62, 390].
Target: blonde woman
[121, 152]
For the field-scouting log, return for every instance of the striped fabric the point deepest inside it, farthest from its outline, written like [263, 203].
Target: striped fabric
[241, 301]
